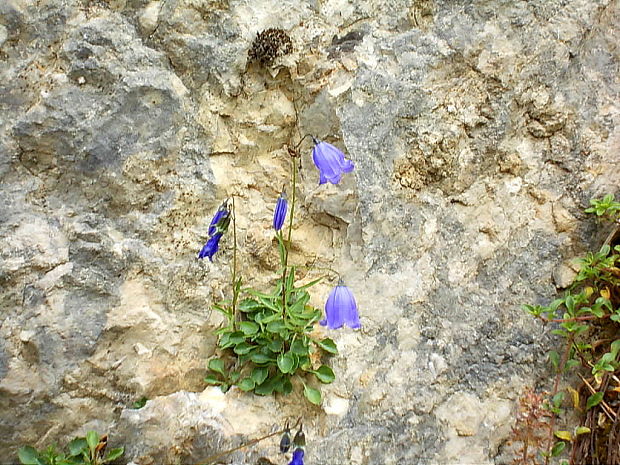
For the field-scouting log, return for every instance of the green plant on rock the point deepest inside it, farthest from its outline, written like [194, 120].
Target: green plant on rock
[588, 320]
[88, 450]
[268, 342]
[272, 343]
[607, 207]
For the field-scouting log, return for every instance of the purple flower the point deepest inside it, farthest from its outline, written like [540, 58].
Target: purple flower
[211, 247]
[221, 220]
[341, 309]
[330, 161]
[298, 457]
[280, 213]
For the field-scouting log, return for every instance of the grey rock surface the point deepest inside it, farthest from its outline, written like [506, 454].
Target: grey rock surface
[479, 130]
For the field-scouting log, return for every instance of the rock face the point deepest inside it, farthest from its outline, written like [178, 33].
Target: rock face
[479, 130]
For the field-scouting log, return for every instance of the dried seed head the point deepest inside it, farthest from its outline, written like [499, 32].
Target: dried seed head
[269, 45]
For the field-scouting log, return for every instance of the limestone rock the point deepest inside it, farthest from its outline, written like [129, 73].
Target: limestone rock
[478, 130]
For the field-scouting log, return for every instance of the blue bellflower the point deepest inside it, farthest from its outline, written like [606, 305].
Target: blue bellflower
[330, 161]
[217, 227]
[279, 214]
[220, 220]
[211, 247]
[298, 457]
[341, 309]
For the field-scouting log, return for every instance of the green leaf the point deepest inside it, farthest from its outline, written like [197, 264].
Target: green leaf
[582, 430]
[327, 345]
[287, 387]
[570, 364]
[275, 345]
[259, 294]
[558, 399]
[236, 338]
[212, 379]
[554, 358]
[299, 348]
[276, 326]
[248, 328]
[114, 454]
[615, 347]
[263, 318]
[92, 438]
[564, 435]
[594, 399]
[286, 362]
[265, 388]
[28, 455]
[138, 404]
[325, 374]
[557, 449]
[246, 384]
[278, 384]
[260, 358]
[272, 304]
[313, 395]
[290, 280]
[224, 310]
[77, 446]
[310, 284]
[243, 348]
[259, 374]
[249, 306]
[299, 305]
[217, 365]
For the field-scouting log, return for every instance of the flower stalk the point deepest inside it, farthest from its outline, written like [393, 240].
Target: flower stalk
[236, 285]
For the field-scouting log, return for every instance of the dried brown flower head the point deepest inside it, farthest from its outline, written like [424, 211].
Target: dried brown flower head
[269, 45]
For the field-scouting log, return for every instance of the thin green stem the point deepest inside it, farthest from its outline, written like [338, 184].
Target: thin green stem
[293, 198]
[234, 266]
[287, 244]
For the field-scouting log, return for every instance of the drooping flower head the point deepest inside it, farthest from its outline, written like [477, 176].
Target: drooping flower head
[220, 220]
[298, 457]
[285, 441]
[341, 309]
[211, 247]
[217, 227]
[300, 437]
[330, 161]
[279, 214]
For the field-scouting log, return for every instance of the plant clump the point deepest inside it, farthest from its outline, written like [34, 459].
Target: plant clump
[587, 319]
[87, 450]
[269, 340]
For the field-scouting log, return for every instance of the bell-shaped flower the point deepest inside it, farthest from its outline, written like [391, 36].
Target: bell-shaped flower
[279, 214]
[220, 220]
[300, 437]
[341, 309]
[211, 247]
[330, 161]
[298, 457]
[285, 441]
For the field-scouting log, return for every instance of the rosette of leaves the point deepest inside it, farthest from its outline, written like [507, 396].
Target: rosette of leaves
[271, 345]
[88, 450]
